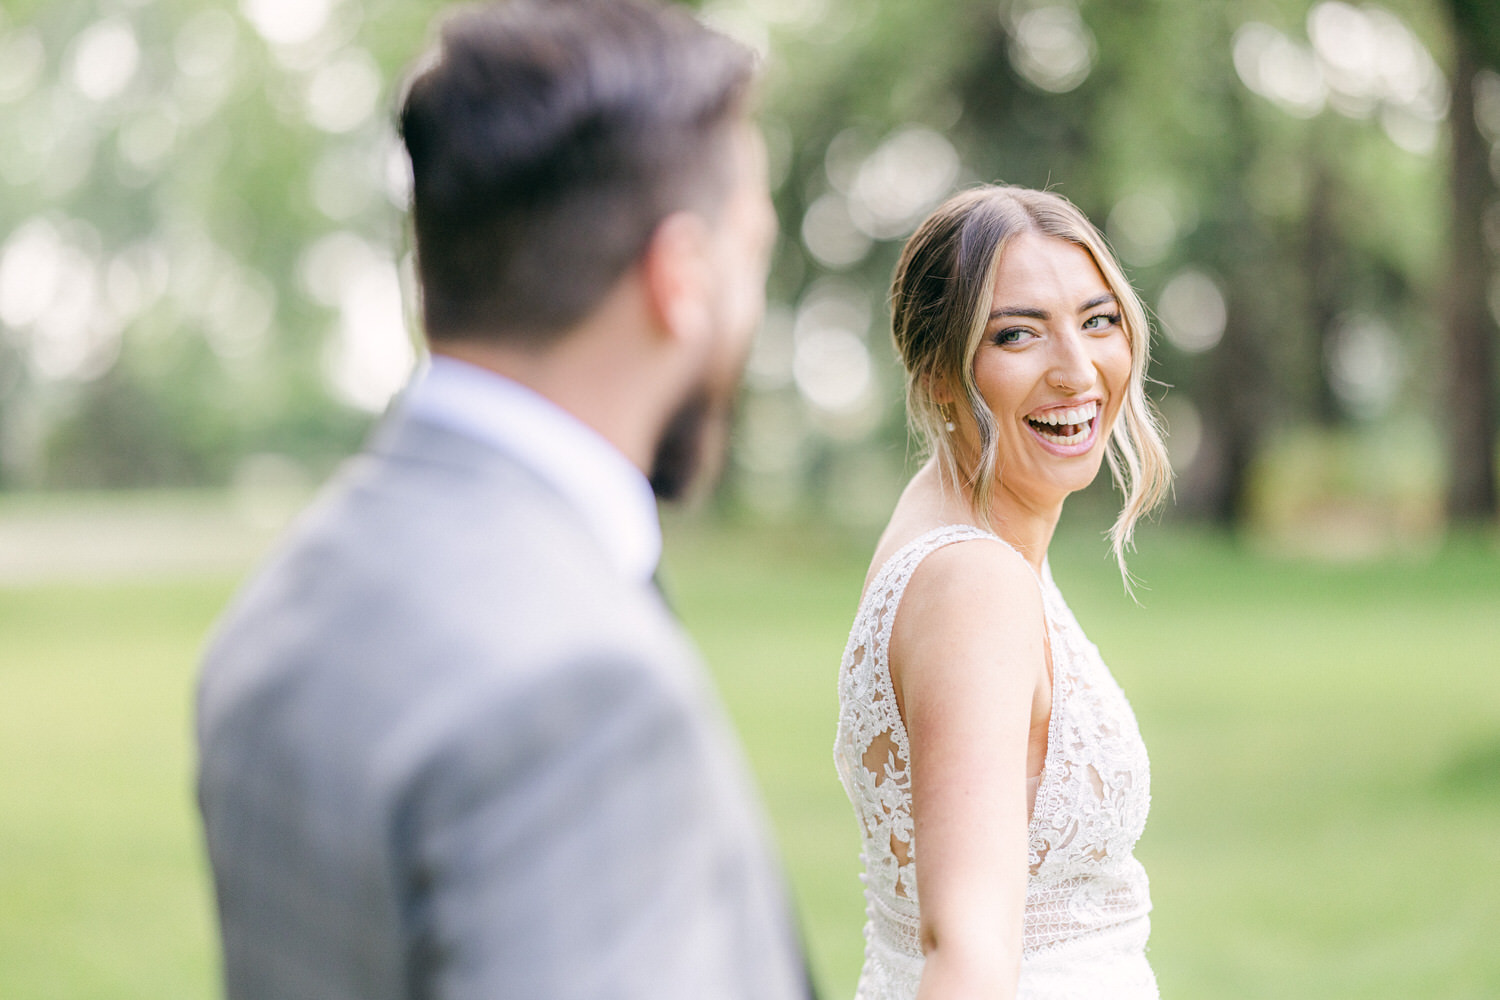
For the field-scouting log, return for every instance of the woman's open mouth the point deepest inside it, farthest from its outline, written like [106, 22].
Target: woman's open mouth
[1066, 428]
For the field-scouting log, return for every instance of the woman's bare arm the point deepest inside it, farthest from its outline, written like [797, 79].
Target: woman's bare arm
[968, 656]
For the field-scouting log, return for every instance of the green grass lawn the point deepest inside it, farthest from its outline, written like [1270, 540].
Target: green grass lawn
[103, 888]
[1325, 742]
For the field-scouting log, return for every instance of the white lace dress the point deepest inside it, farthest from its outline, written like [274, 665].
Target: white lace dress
[1087, 899]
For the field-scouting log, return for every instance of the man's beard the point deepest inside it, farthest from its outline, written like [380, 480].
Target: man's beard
[693, 440]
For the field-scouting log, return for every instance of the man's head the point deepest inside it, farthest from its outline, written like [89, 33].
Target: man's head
[547, 141]
[570, 155]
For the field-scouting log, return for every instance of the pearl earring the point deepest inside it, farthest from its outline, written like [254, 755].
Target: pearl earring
[948, 421]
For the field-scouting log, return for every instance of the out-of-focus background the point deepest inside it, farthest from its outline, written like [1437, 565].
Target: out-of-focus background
[206, 298]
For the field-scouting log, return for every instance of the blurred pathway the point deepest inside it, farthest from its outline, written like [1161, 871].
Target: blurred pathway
[53, 538]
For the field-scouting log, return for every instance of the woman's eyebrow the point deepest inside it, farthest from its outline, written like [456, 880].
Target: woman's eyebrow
[1031, 312]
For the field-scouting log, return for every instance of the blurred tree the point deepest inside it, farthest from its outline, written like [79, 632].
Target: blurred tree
[200, 234]
[1468, 412]
[1275, 199]
[201, 243]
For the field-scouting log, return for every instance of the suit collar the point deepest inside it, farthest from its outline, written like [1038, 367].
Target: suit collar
[611, 496]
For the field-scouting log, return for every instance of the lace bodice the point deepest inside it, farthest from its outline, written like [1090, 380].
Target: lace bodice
[1087, 897]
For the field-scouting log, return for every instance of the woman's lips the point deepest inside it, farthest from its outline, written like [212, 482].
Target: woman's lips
[1066, 430]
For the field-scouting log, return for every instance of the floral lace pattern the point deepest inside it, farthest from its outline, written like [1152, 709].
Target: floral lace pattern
[1087, 897]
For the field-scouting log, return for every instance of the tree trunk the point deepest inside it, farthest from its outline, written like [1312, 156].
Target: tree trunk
[1468, 409]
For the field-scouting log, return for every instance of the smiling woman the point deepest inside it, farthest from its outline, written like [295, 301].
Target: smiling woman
[976, 721]
[988, 255]
[1052, 369]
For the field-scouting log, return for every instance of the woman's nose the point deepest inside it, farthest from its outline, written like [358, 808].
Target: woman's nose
[1072, 370]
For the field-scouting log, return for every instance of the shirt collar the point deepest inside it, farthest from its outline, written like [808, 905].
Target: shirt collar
[594, 477]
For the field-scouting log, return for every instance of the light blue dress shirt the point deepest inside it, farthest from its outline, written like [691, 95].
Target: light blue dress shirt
[612, 496]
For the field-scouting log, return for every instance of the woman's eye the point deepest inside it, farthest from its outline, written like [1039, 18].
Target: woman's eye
[1101, 321]
[1013, 335]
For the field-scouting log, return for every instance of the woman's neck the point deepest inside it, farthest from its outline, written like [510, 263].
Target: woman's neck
[1027, 528]
[1024, 525]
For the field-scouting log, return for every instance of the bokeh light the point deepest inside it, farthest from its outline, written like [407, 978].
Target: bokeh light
[1364, 362]
[104, 59]
[1050, 45]
[905, 177]
[1361, 61]
[1193, 312]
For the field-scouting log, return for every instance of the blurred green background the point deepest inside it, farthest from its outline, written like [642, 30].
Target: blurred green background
[206, 298]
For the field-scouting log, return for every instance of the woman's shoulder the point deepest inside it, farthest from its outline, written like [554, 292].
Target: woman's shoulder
[961, 564]
[915, 539]
[968, 565]
[933, 545]
[968, 604]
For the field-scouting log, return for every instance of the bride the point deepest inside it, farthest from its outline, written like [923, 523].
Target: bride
[990, 756]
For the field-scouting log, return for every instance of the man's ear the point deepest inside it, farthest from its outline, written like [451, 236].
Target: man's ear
[678, 278]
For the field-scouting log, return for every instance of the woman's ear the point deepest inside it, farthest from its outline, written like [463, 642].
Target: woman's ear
[938, 390]
[677, 276]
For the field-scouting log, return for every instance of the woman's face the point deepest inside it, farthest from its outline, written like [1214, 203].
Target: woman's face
[1053, 367]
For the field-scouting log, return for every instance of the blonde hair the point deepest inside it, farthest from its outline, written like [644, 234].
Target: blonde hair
[940, 306]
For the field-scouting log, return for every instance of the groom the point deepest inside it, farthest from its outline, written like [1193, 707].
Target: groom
[452, 743]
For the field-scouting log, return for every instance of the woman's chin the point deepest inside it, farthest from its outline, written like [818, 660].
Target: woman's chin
[1061, 476]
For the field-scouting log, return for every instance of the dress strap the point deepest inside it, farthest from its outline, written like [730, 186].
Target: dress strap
[897, 571]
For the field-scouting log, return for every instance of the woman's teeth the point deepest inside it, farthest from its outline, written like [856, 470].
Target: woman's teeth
[1070, 426]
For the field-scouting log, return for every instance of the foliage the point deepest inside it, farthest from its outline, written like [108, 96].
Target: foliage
[202, 256]
[202, 212]
[1288, 234]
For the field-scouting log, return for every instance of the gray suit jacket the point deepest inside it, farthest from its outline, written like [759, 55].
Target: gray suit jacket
[447, 752]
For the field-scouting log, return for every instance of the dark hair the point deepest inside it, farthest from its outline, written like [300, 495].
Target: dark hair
[547, 142]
